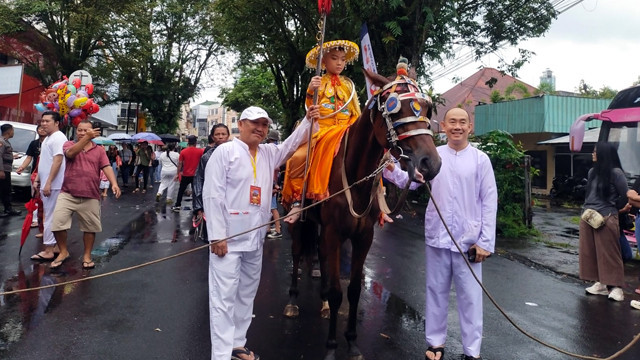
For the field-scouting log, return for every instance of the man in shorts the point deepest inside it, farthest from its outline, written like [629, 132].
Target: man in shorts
[80, 192]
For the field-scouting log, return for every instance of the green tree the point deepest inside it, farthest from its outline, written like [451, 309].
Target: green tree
[507, 159]
[160, 51]
[283, 31]
[586, 90]
[254, 86]
[516, 87]
[55, 37]
[545, 88]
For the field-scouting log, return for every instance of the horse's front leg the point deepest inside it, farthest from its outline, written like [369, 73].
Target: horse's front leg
[330, 246]
[360, 246]
[291, 310]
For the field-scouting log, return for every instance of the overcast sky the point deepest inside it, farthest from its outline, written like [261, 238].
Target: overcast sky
[596, 40]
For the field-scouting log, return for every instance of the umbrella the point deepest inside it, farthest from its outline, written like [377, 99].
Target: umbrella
[146, 136]
[101, 140]
[119, 136]
[26, 225]
[155, 142]
[169, 138]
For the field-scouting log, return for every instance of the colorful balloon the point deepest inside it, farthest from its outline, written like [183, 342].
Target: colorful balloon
[71, 89]
[70, 100]
[41, 107]
[75, 112]
[79, 102]
[89, 88]
[77, 83]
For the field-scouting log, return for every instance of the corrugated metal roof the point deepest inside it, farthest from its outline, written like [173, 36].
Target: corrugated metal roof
[539, 114]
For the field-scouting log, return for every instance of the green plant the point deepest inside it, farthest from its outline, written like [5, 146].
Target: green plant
[507, 159]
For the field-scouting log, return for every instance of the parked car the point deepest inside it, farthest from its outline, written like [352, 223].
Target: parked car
[23, 135]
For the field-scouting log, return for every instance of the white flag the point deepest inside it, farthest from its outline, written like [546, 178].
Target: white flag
[367, 58]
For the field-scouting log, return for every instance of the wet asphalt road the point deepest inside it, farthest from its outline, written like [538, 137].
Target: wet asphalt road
[161, 311]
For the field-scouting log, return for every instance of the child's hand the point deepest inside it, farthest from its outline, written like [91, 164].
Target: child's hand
[314, 84]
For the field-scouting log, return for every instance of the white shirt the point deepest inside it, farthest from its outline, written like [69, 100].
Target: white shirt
[228, 178]
[169, 166]
[466, 194]
[51, 146]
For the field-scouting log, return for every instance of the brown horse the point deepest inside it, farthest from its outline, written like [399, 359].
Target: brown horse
[397, 119]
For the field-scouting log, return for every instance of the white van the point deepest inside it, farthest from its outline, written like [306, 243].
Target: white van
[23, 135]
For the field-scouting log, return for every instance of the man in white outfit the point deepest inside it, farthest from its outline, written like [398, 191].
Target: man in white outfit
[237, 194]
[465, 191]
[50, 177]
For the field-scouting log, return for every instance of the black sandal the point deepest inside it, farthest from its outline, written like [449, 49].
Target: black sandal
[435, 351]
[244, 351]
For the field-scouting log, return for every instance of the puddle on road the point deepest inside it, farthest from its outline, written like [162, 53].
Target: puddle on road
[22, 312]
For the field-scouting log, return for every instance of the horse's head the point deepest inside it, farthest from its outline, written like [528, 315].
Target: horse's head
[400, 114]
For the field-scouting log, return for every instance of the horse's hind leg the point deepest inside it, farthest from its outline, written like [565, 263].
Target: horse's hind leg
[360, 247]
[291, 310]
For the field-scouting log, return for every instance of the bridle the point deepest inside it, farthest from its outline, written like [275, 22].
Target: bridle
[389, 102]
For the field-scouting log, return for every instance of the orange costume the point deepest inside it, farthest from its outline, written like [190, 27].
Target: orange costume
[334, 92]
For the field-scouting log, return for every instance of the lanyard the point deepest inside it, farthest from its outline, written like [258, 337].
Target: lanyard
[254, 161]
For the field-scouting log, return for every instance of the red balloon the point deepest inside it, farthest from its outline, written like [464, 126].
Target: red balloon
[89, 88]
[87, 106]
[76, 120]
[76, 82]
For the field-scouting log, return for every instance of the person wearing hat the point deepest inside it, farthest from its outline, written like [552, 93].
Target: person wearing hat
[339, 108]
[187, 165]
[238, 179]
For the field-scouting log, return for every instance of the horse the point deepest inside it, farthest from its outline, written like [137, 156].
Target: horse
[395, 119]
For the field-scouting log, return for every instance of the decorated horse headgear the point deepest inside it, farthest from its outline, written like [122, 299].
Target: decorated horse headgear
[393, 104]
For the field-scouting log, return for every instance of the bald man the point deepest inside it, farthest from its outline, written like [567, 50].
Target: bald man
[465, 191]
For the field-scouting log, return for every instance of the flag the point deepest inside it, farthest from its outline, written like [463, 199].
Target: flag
[367, 58]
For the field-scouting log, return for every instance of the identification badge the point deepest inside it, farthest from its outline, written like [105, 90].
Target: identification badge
[255, 195]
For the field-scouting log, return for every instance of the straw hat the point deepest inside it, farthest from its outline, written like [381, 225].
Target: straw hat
[349, 47]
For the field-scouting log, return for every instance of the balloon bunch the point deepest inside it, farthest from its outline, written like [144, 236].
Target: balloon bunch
[70, 100]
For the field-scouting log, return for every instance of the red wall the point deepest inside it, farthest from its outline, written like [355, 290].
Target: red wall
[31, 89]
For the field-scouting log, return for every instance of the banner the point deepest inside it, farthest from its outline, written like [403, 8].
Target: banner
[367, 58]
[10, 79]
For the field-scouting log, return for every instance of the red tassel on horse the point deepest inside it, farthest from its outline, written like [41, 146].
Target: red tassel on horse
[324, 6]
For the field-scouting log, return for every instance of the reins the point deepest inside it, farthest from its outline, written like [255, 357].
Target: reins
[366, 178]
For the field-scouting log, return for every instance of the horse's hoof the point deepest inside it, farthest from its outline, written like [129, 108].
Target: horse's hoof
[325, 312]
[331, 355]
[355, 354]
[291, 311]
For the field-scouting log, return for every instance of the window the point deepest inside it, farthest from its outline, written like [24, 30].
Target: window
[233, 120]
[235, 131]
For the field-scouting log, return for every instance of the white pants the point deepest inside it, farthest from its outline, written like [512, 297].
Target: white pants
[442, 266]
[233, 283]
[167, 182]
[49, 205]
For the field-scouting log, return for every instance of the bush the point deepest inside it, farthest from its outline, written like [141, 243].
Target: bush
[507, 159]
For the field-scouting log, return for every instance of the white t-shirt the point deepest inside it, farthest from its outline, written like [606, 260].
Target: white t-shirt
[52, 146]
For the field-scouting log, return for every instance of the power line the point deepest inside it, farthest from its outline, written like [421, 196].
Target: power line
[467, 58]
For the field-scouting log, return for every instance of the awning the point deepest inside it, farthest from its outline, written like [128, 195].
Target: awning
[590, 136]
[108, 115]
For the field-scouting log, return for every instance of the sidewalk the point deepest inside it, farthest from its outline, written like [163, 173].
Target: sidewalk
[557, 248]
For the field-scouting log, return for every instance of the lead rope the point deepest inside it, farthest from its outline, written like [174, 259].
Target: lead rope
[497, 306]
[366, 178]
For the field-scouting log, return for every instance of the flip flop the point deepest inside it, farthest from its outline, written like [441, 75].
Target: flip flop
[435, 351]
[38, 257]
[53, 265]
[243, 351]
[88, 265]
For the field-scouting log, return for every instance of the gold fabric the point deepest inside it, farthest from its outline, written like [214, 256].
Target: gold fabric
[333, 93]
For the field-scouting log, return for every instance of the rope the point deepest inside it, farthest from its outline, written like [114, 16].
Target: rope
[366, 178]
[503, 312]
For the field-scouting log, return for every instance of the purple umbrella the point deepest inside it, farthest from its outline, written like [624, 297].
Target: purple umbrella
[146, 136]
